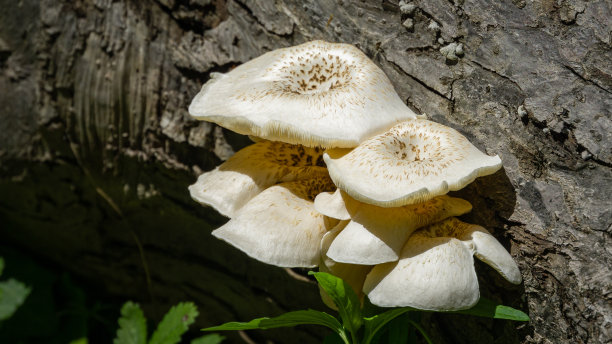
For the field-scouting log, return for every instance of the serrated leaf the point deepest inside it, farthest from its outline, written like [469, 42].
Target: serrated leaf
[13, 294]
[132, 325]
[175, 323]
[377, 322]
[344, 297]
[213, 338]
[306, 317]
[489, 309]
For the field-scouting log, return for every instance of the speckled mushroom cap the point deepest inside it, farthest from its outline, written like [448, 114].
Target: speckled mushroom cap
[314, 94]
[436, 268]
[253, 169]
[412, 162]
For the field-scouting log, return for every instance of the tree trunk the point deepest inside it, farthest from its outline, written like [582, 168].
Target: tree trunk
[97, 148]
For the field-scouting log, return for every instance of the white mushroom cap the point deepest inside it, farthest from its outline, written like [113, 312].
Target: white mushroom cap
[376, 235]
[280, 225]
[412, 162]
[314, 94]
[251, 170]
[332, 204]
[436, 268]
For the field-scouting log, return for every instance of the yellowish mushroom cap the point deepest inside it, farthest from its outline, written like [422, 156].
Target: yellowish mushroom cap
[412, 162]
[251, 170]
[314, 94]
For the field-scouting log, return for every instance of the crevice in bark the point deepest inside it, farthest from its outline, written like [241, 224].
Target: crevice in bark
[421, 82]
[588, 81]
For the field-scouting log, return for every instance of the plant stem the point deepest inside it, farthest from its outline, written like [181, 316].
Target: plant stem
[355, 338]
[344, 337]
[423, 333]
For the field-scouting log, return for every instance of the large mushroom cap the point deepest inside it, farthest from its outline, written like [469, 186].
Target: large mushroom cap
[251, 170]
[314, 94]
[280, 226]
[436, 268]
[412, 162]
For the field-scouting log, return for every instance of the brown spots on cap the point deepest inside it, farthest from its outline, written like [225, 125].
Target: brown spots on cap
[314, 73]
[308, 189]
[413, 161]
[450, 227]
[286, 154]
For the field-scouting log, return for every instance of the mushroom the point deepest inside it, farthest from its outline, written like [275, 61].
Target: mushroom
[251, 170]
[436, 268]
[353, 275]
[412, 162]
[314, 94]
[280, 226]
[376, 235]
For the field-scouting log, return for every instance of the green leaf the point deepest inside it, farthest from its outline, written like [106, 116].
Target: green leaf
[175, 323]
[1, 265]
[377, 322]
[213, 338]
[13, 294]
[489, 309]
[79, 341]
[307, 317]
[345, 299]
[132, 325]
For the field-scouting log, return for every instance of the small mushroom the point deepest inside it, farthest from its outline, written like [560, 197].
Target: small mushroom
[251, 170]
[412, 162]
[436, 268]
[280, 226]
[314, 94]
[376, 235]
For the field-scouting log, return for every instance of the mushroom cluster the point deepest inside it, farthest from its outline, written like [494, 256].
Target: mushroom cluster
[346, 177]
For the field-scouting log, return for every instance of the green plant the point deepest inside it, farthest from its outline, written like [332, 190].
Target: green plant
[12, 295]
[133, 326]
[356, 328]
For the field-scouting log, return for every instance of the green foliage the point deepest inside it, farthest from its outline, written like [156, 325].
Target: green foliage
[174, 324]
[377, 322]
[133, 326]
[488, 309]
[212, 338]
[345, 299]
[12, 295]
[55, 311]
[286, 320]
[397, 324]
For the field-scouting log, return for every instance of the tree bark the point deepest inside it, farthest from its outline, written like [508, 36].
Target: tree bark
[98, 149]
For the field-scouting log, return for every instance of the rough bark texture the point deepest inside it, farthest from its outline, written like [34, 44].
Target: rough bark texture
[97, 148]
